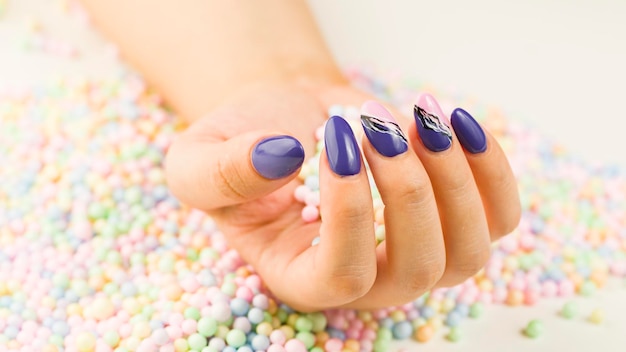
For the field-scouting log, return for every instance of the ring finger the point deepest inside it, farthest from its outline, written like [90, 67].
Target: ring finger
[463, 220]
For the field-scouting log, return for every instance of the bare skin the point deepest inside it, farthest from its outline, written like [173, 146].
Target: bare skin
[241, 71]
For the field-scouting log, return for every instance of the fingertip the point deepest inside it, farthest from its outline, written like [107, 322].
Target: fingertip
[468, 131]
[277, 157]
[342, 150]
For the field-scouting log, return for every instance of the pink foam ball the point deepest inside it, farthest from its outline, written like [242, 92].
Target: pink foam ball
[566, 288]
[313, 198]
[254, 282]
[190, 284]
[531, 296]
[167, 348]
[176, 319]
[199, 301]
[189, 326]
[356, 324]
[368, 334]
[319, 133]
[353, 333]
[517, 284]
[25, 337]
[485, 297]
[147, 345]
[278, 337]
[380, 314]
[160, 337]
[174, 332]
[618, 268]
[295, 345]
[333, 345]
[301, 192]
[244, 292]
[509, 244]
[527, 242]
[549, 288]
[310, 213]
[123, 316]
[499, 294]
[42, 333]
[260, 301]
[366, 345]
[205, 311]
[338, 322]
[276, 348]
[125, 330]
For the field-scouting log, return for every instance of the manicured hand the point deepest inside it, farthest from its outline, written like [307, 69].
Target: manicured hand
[447, 188]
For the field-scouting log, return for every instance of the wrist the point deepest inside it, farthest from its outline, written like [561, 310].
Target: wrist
[311, 77]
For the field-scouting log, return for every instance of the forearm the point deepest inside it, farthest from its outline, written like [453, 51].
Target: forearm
[197, 53]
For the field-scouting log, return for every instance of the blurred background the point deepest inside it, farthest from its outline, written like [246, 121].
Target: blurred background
[560, 65]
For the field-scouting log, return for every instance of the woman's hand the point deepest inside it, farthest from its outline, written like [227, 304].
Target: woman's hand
[442, 208]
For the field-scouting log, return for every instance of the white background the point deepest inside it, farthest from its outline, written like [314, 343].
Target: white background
[559, 65]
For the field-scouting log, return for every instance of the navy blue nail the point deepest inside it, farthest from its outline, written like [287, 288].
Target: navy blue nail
[435, 135]
[277, 157]
[341, 147]
[468, 131]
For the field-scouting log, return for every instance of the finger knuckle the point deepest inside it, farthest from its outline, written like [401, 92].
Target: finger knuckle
[349, 283]
[355, 212]
[412, 193]
[460, 183]
[471, 263]
[420, 279]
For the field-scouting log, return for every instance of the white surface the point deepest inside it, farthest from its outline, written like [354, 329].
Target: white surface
[500, 328]
[557, 64]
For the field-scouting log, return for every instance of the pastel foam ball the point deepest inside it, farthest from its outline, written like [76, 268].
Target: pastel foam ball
[236, 338]
[197, 341]
[207, 326]
[85, 342]
[534, 329]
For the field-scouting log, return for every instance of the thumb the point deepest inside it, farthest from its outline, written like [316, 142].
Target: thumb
[210, 174]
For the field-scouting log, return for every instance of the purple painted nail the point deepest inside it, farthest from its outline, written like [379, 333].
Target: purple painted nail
[277, 157]
[382, 130]
[341, 147]
[429, 118]
[468, 131]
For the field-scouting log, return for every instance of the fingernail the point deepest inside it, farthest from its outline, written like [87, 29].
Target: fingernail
[431, 125]
[341, 147]
[382, 130]
[468, 131]
[277, 157]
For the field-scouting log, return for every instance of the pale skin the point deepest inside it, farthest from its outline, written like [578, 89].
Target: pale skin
[240, 71]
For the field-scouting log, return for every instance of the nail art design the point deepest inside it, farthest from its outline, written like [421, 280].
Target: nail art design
[468, 131]
[341, 147]
[432, 122]
[277, 157]
[382, 130]
[435, 134]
